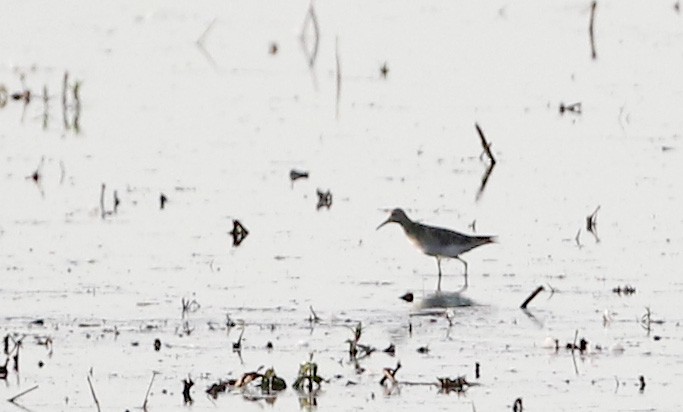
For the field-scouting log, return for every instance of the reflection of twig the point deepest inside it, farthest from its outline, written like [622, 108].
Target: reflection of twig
[313, 53]
[336, 55]
[200, 43]
[591, 223]
[484, 180]
[576, 335]
[577, 239]
[590, 30]
[65, 86]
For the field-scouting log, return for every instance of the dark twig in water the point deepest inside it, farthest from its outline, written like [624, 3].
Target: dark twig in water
[591, 223]
[591, 31]
[625, 290]
[77, 106]
[31, 389]
[313, 318]
[297, 174]
[476, 370]
[237, 346]
[574, 108]
[324, 199]
[517, 406]
[485, 144]
[530, 298]
[187, 385]
[492, 161]
[92, 392]
[238, 233]
[162, 201]
[149, 388]
[641, 379]
[384, 70]
[458, 384]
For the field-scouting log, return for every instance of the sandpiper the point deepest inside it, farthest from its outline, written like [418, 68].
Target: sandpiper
[436, 241]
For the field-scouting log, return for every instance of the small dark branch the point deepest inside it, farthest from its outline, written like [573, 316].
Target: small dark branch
[162, 201]
[517, 406]
[117, 201]
[591, 223]
[20, 394]
[573, 108]
[149, 388]
[297, 174]
[324, 199]
[239, 233]
[237, 346]
[384, 70]
[338, 77]
[92, 392]
[313, 318]
[641, 378]
[485, 145]
[531, 297]
[591, 31]
[476, 370]
[187, 385]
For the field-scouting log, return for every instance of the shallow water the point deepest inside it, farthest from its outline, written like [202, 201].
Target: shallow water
[218, 131]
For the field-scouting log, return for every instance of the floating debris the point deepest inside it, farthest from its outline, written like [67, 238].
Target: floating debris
[324, 199]
[273, 48]
[157, 345]
[624, 290]
[239, 232]
[297, 174]
[423, 349]
[384, 70]
[271, 382]
[458, 384]
[187, 385]
[391, 349]
[408, 297]
[517, 406]
[162, 201]
[476, 370]
[641, 378]
[573, 108]
[530, 298]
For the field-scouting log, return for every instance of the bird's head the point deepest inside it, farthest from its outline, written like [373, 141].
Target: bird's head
[398, 216]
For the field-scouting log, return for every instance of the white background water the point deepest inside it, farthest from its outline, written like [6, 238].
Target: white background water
[218, 135]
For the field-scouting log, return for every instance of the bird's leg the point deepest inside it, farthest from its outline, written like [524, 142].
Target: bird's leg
[464, 263]
[438, 284]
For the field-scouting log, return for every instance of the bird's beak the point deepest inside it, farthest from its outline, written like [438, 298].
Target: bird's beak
[383, 223]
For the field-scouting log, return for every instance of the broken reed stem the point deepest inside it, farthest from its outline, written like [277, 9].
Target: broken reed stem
[92, 392]
[590, 29]
[487, 146]
[316, 31]
[336, 55]
[533, 295]
[149, 388]
[202, 38]
[17, 396]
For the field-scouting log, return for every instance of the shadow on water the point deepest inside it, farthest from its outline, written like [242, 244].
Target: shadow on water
[441, 299]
